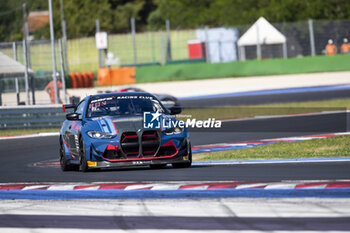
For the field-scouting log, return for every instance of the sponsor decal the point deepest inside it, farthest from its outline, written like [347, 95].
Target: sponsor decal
[102, 99]
[142, 162]
[155, 120]
[76, 127]
[76, 140]
[134, 97]
[91, 164]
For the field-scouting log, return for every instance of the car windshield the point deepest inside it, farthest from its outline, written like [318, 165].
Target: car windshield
[123, 105]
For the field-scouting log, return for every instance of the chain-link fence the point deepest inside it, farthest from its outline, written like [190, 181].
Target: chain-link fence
[336, 30]
[152, 46]
[299, 38]
[11, 80]
[39, 70]
[82, 54]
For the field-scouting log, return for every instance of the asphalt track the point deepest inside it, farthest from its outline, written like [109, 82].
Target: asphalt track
[176, 215]
[216, 212]
[189, 223]
[17, 156]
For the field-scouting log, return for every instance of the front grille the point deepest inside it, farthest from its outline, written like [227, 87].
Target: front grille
[130, 144]
[150, 142]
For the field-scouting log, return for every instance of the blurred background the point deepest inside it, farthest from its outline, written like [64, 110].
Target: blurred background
[322, 20]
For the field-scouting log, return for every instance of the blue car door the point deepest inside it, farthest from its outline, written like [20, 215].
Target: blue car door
[73, 131]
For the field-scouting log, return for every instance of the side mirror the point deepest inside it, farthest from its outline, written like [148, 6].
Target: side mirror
[73, 116]
[66, 106]
[175, 110]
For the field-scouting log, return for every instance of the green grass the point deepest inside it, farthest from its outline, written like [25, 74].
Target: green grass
[268, 109]
[243, 69]
[338, 146]
[333, 103]
[15, 132]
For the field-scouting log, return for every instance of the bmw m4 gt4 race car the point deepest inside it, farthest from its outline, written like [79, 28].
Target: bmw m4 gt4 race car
[122, 129]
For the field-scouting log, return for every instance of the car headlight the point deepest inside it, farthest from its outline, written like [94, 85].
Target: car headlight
[172, 131]
[100, 135]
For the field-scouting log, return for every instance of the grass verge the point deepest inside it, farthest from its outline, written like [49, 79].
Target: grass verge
[268, 109]
[243, 69]
[338, 146]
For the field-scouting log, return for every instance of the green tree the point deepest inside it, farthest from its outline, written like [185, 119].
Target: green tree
[80, 16]
[183, 13]
[114, 15]
[124, 13]
[10, 20]
[192, 13]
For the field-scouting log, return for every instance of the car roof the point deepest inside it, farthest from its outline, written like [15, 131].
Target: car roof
[120, 94]
[105, 95]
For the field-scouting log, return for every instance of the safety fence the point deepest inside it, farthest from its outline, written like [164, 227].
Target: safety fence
[39, 61]
[26, 117]
[304, 38]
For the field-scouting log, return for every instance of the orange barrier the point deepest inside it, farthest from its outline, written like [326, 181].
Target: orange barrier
[81, 79]
[73, 80]
[116, 76]
[90, 77]
[84, 79]
[104, 77]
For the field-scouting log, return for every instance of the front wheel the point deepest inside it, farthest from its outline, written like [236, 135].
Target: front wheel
[65, 166]
[185, 164]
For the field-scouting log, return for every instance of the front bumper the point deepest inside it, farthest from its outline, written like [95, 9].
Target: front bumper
[180, 157]
[111, 152]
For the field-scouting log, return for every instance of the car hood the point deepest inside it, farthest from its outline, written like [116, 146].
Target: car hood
[124, 124]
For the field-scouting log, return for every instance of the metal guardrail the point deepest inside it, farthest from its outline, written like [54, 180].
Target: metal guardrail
[36, 116]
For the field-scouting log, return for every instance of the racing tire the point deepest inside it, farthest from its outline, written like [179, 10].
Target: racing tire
[65, 166]
[157, 166]
[83, 167]
[185, 164]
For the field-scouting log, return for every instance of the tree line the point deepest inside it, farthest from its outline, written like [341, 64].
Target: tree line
[114, 15]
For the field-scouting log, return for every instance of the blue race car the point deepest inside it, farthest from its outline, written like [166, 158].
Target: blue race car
[122, 129]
